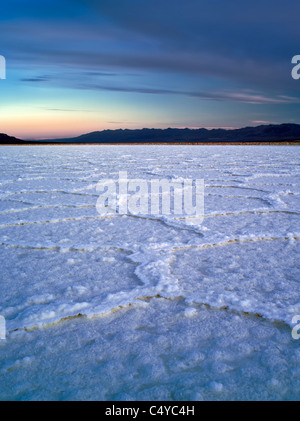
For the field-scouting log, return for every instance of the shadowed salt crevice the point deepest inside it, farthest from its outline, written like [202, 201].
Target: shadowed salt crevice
[168, 221]
[55, 221]
[64, 249]
[75, 193]
[241, 239]
[189, 312]
[35, 207]
[251, 212]
[237, 187]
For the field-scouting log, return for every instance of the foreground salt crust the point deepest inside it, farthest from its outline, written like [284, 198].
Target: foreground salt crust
[130, 307]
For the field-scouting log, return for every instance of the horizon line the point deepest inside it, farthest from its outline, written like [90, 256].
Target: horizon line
[208, 128]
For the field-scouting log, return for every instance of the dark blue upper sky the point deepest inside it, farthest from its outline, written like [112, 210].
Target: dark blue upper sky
[75, 66]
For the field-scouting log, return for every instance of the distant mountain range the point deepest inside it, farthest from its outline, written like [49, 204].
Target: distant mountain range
[263, 133]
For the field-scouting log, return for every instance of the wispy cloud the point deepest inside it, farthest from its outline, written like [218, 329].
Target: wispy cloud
[246, 97]
[35, 79]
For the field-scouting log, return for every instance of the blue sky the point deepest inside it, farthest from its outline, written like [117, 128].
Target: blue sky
[77, 66]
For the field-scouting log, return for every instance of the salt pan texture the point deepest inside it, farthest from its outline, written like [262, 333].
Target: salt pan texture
[149, 307]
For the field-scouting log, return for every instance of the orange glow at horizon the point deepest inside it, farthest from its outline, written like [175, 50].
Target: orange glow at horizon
[35, 123]
[50, 124]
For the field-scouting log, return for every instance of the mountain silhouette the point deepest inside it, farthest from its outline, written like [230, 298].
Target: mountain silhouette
[263, 133]
[5, 139]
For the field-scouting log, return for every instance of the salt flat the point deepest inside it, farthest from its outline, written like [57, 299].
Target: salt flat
[149, 307]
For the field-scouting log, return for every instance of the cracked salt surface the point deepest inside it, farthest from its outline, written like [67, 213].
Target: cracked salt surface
[129, 307]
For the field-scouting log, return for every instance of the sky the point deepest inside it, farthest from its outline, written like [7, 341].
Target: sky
[77, 66]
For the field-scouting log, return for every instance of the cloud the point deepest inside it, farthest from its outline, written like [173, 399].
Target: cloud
[263, 122]
[226, 70]
[35, 79]
[96, 81]
[65, 109]
[232, 42]
[245, 97]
